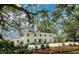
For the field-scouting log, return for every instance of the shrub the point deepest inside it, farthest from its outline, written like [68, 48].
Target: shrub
[70, 44]
[36, 47]
[45, 41]
[26, 46]
[63, 44]
[47, 45]
[74, 45]
[21, 43]
[11, 44]
[42, 46]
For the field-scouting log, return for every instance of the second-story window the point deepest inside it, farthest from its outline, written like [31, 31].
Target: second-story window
[27, 34]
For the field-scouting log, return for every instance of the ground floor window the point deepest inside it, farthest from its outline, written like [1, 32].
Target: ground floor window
[28, 40]
[40, 40]
[45, 41]
[34, 40]
[17, 41]
[50, 40]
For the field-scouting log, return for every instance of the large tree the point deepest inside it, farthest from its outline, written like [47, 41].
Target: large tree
[68, 15]
[10, 17]
[18, 16]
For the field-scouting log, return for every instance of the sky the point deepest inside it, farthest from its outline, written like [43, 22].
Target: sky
[47, 6]
[50, 6]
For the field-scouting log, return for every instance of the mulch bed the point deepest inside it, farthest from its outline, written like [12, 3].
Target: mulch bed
[54, 50]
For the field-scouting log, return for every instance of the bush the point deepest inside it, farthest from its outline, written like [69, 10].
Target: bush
[21, 43]
[26, 46]
[42, 46]
[47, 45]
[70, 44]
[36, 47]
[74, 45]
[7, 47]
[63, 44]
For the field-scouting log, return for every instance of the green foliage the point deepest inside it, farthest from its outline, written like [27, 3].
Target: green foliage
[65, 18]
[21, 43]
[36, 47]
[7, 47]
[12, 44]
[47, 46]
[45, 26]
[70, 20]
[43, 46]
[70, 44]
[26, 46]
[63, 44]
[18, 21]
[61, 38]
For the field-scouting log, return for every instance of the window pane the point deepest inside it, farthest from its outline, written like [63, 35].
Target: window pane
[39, 40]
[40, 35]
[27, 34]
[35, 34]
[35, 40]
[27, 40]
[17, 41]
[45, 40]
[50, 40]
[45, 35]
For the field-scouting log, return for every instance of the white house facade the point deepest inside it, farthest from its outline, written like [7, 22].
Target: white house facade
[34, 38]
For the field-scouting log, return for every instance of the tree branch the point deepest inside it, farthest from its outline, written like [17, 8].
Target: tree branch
[18, 8]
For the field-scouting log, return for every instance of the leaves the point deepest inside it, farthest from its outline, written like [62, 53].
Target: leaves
[70, 24]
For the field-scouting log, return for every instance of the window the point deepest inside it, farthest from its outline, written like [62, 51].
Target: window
[17, 41]
[50, 40]
[28, 40]
[45, 35]
[40, 35]
[39, 40]
[35, 35]
[35, 40]
[27, 34]
[50, 35]
[45, 40]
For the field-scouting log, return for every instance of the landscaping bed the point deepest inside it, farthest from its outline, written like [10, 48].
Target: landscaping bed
[57, 50]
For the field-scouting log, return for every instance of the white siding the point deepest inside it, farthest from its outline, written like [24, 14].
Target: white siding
[32, 37]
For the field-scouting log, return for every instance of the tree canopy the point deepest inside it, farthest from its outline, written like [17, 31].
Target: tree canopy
[63, 20]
